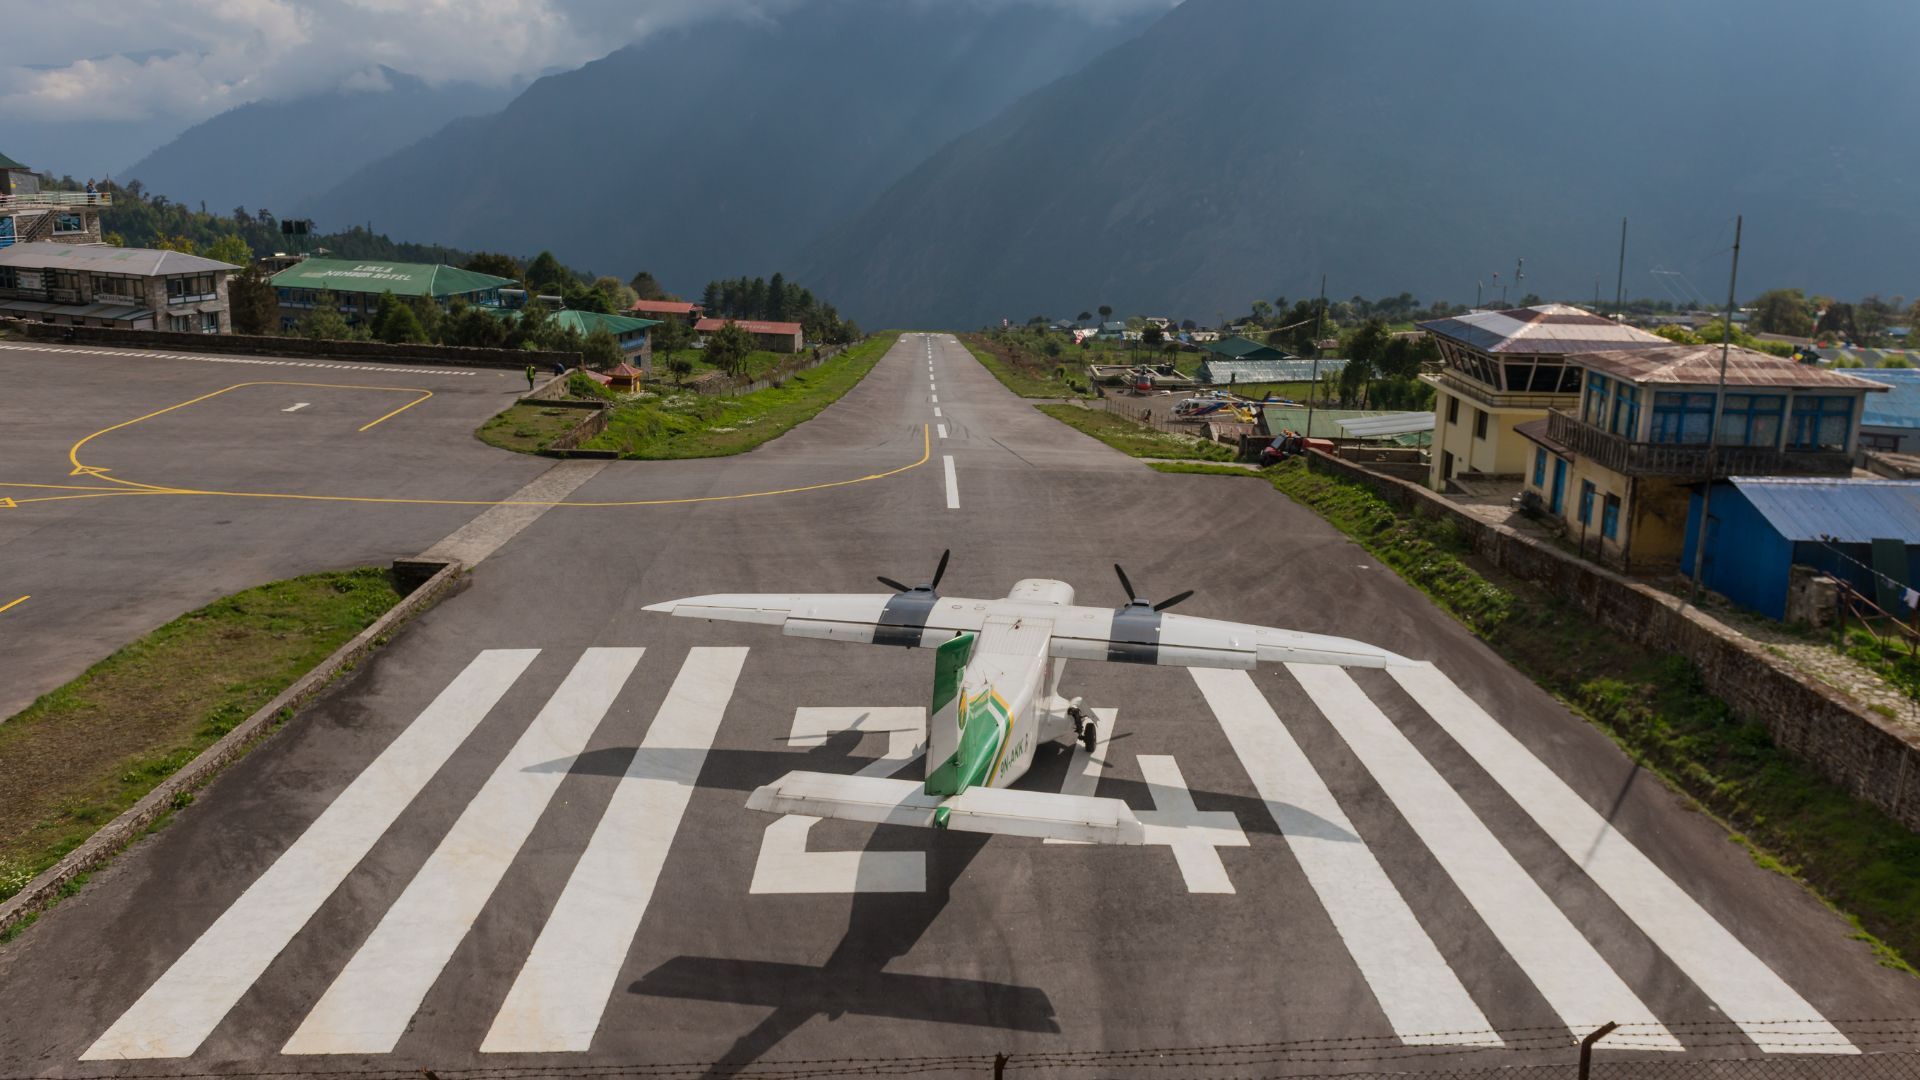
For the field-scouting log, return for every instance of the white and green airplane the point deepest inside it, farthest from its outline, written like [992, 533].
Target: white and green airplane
[996, 693]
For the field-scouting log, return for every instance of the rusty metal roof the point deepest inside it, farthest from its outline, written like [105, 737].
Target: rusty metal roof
[1699, 365]
[1547, 330]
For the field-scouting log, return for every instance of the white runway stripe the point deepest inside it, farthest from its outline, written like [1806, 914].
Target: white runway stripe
[1416, 989]
[1562, 963]
[942, 429]
[372, 1003]
[557, 1000]
[953, 485]
[181, 1009]
[1738, 982]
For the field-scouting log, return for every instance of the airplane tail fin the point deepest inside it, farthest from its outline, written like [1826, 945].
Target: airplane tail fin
[944, 719]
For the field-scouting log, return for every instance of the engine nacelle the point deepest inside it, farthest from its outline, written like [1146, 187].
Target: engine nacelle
[1042, 591]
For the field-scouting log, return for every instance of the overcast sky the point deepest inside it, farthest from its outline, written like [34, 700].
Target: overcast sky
[185, 60]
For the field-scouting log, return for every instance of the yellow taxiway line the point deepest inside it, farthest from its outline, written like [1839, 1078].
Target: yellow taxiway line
[11, 604]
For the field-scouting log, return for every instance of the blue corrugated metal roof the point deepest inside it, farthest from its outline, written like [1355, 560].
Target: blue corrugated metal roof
[1849, 511]
[1899, 407]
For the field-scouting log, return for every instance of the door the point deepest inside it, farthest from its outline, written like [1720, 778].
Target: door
[1559, 486]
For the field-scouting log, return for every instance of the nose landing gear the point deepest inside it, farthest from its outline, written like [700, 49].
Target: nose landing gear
[1085, 728]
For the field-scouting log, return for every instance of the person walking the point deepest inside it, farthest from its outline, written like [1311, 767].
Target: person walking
[530, 376]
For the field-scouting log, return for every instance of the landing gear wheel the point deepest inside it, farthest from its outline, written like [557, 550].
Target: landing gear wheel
[1089, 734]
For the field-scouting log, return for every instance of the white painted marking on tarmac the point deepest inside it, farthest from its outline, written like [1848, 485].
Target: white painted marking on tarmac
[1743, 986]
[953, 485]
[1193, 834]
[178, 1011]
[1415, 988]
[372, 1002]
[936, 411]
[1576, 981]
[786, 866]
[1083, 772]
[936, 399]
[557, 1000]
[942, 429]
[297, 407]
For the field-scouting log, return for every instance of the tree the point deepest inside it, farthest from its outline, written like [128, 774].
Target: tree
[1782, 311]
[230, 249]
[1368, 343]
[323, 322]
[1152, 336]
[1872, 316]
[618, 296]
[394, 322]
[1083, 316]
[1262, 313]
[776, 305]
[727, 348]
[710, 299]
[178, 242]
[601, 349]
[646, 287]
[487, 262]
[669, 338]
[472, 327]
[251, 299]
[1837, 321]
[1354, 379]
[1106, 312]
[546, 275]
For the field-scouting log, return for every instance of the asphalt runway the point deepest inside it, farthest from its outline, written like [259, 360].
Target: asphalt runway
[516, 839]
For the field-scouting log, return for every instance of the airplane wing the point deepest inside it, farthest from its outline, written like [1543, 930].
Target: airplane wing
[1137, 634]
[1001, 811]
[915, 619]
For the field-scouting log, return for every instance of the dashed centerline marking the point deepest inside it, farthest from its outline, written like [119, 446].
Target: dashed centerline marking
[953, 485]
[942, 429]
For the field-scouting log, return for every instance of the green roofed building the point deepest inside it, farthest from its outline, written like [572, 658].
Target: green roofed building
[357, 284]
[634, 335]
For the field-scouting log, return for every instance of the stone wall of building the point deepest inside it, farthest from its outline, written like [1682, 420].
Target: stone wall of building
[251, 345]
[1869, 756]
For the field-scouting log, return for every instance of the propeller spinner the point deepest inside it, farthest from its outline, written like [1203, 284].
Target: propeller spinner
[1134, 599]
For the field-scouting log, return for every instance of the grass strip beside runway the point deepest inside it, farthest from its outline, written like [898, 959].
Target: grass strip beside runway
[1132, 439]
[1857, 859]
[688, 425]
[1024, 374]
[83, 753]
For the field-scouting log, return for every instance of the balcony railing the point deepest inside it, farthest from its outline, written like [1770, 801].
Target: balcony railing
[1690, 462]
[40, 200]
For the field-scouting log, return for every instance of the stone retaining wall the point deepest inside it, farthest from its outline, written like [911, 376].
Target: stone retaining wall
[303, 348]
[1854, 747]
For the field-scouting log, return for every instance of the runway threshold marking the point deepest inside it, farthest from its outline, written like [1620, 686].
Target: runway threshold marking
[557, 999]
[1725, 970]
[1411, 981]
[11, 604]
[186, 1003]
[372, 1002]
[953, 485]
[1579, 985]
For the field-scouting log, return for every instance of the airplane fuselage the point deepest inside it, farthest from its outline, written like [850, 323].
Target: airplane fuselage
[1011, 683]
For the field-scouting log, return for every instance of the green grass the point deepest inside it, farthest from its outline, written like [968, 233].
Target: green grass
[1862, 862]
[683, 424]
[83, 753]
[1031, 376]
[1131, 438]
[1888, 658]
[1199, 469]
[529, 429]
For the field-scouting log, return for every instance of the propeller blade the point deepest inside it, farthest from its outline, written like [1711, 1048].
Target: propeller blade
[1125, 584]
[1172, 600]
[941, 570]
[894, 585]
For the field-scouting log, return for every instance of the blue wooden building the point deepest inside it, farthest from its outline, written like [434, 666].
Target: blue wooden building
[1761, 527]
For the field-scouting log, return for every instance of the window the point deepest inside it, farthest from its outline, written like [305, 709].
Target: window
[1682, 418]
[1751, 419]
[68, 223]
[7, 278]
[180, 323]
[1610, 518]
[110, 285]
[1820, 423]
[1626, 410]
[1540, 467]
[1453, 410]
[1885, 443]
[1479, 423]
[209, 322]
[1593, 407]
[185, 290]
[1586, 502]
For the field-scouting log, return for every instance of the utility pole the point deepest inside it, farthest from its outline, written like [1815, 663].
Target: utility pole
[1713, 433]
[1620, 281]
[1319, 328]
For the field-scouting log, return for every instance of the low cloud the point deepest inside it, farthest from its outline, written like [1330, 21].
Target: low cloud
[191, 59]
